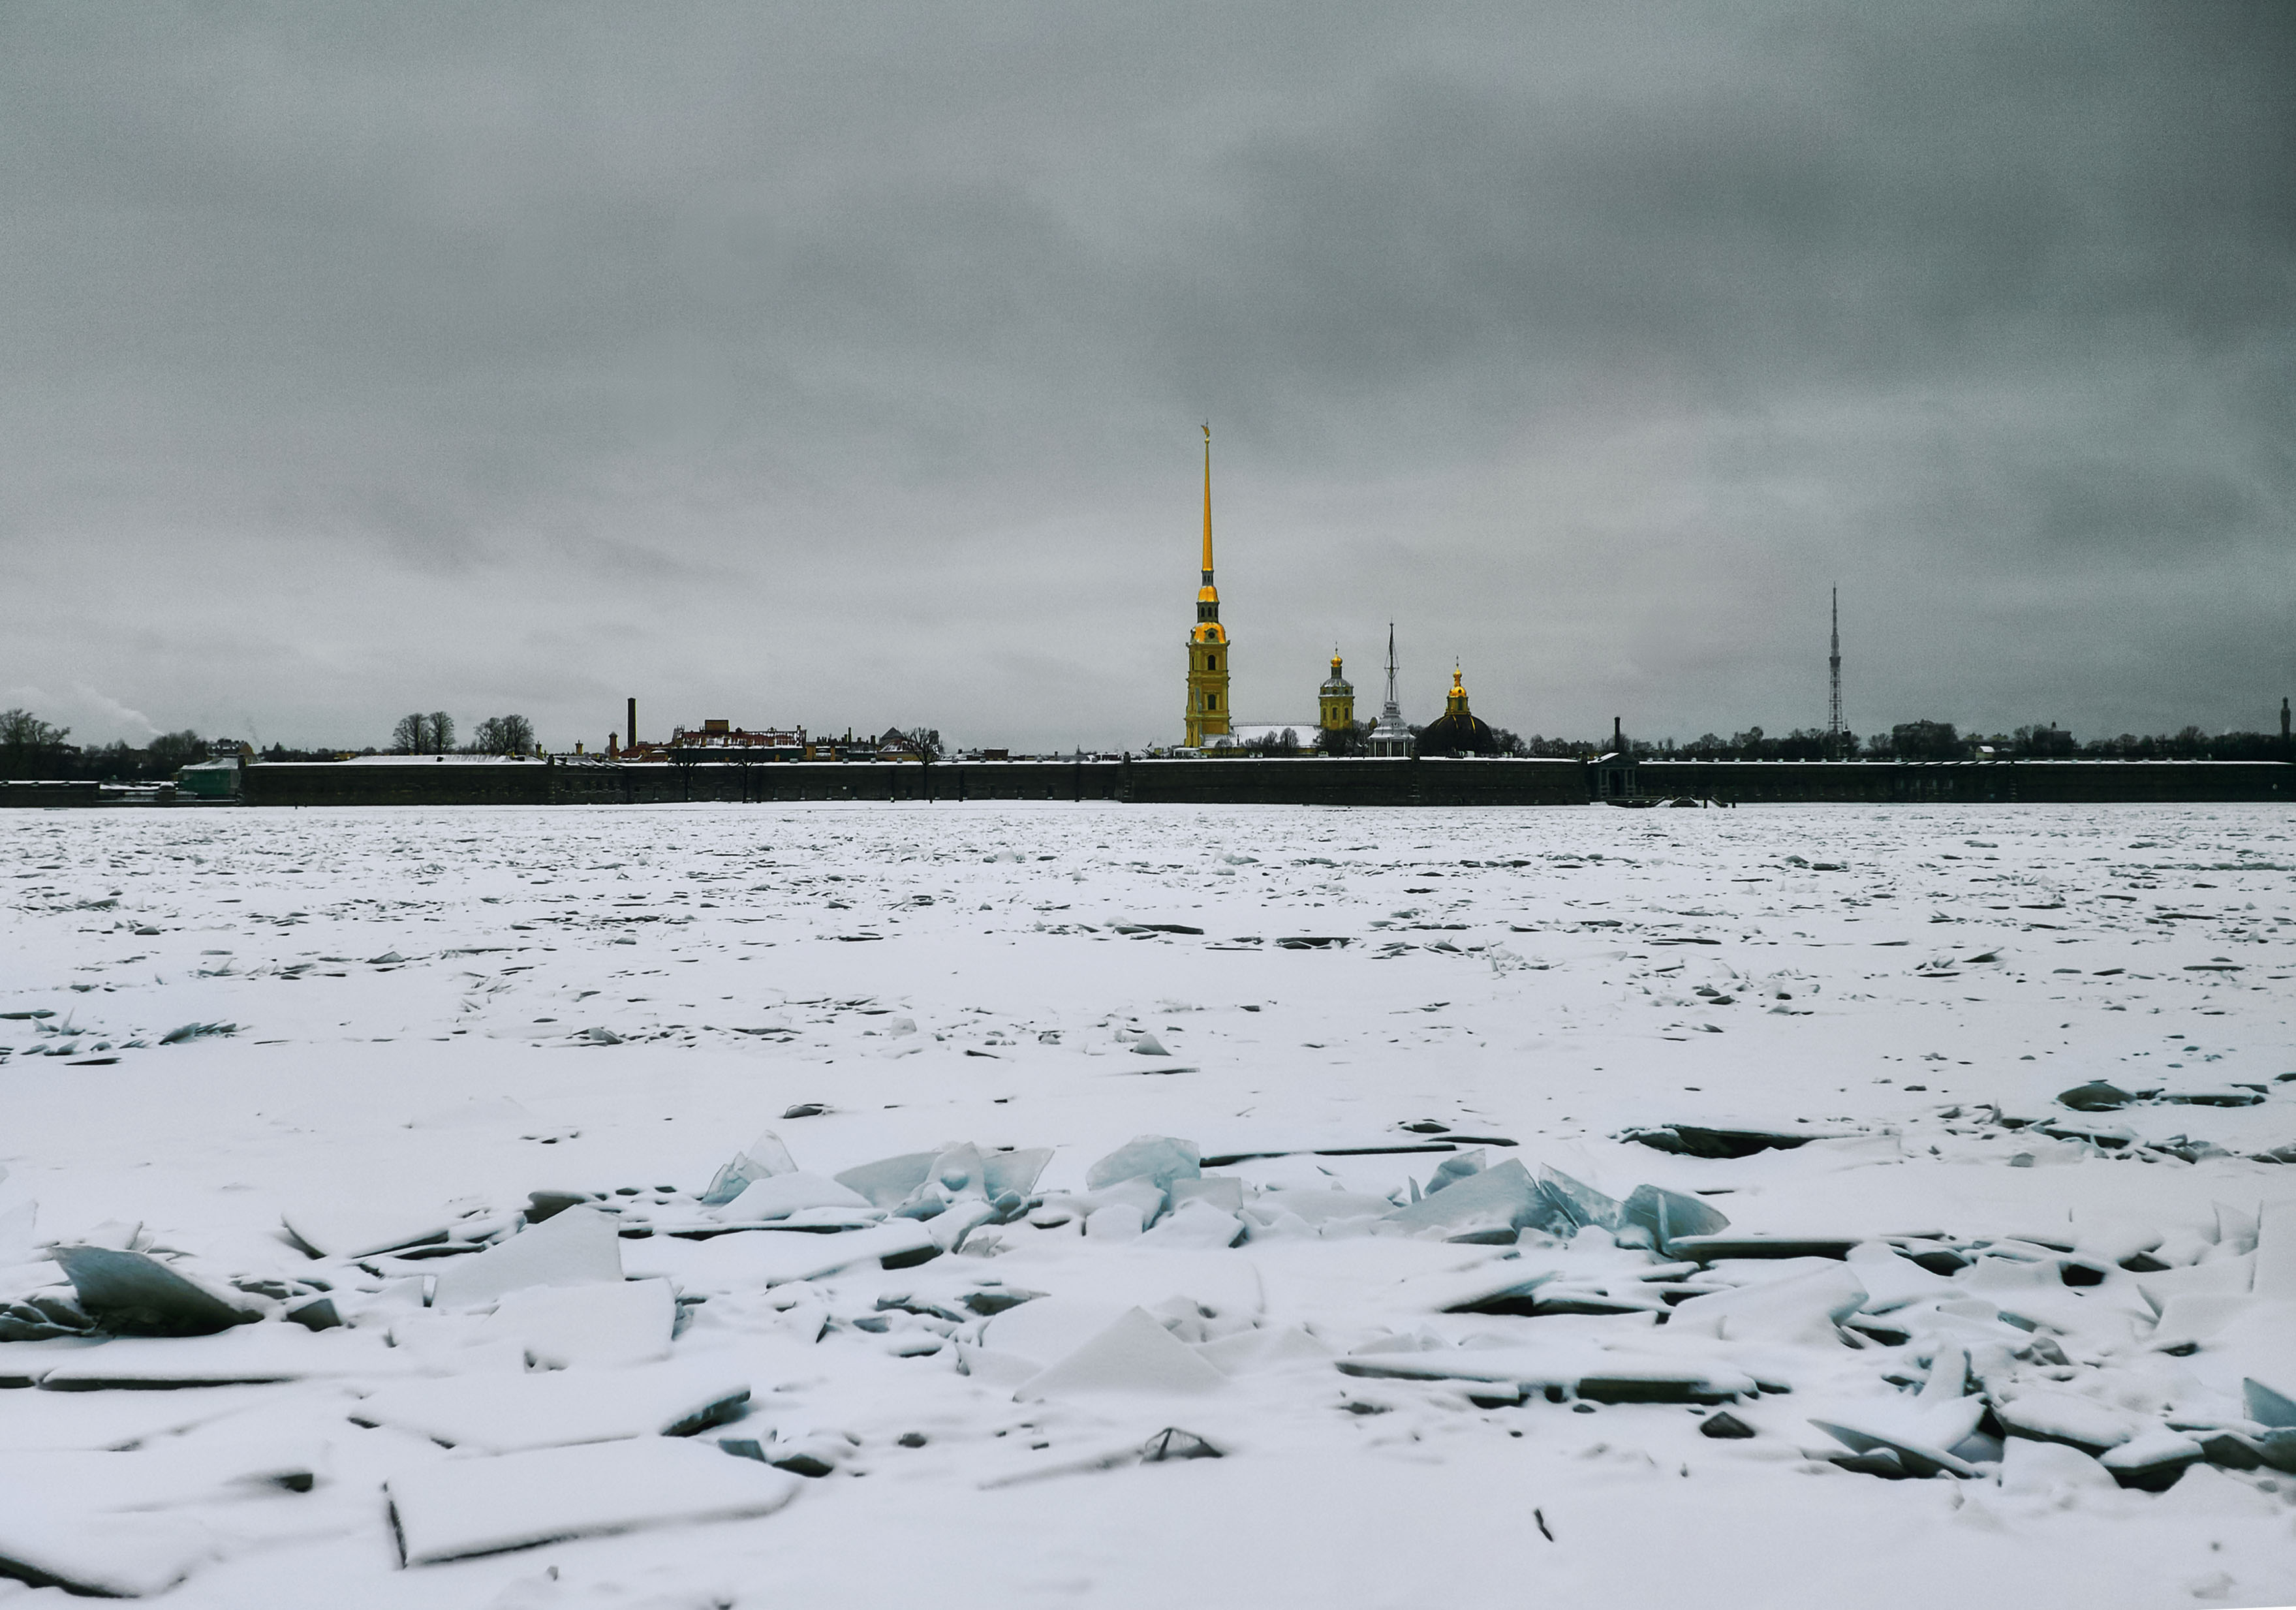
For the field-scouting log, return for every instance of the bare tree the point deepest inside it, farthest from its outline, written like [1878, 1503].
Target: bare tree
[29, 744]
[925, 741]
[504, 735]
[172, 749]
[442, 732]
[410, 736]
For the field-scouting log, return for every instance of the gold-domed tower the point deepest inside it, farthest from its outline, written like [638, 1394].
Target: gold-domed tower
[1458, 730]
[1207, 703]
[1338, 701]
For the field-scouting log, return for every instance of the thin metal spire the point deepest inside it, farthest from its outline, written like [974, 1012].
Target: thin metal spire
[1833, 727]
[1208, 503]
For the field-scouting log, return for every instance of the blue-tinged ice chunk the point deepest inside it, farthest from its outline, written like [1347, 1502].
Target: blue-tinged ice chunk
[1161, 1157]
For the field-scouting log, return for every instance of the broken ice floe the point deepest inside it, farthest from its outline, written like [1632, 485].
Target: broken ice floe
[562, 1361]
[1709, 1140]
[1168, 1445]
[49, 1542]
[459, 1507]
[498, 1413]
[132, 1294]
[781, 1196]
[1134, 1354]
[573, 1248]
[765, 1157]
[360, 1231]
[603, 1324]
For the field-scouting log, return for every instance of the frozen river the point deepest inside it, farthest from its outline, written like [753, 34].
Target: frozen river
[1846, 1027]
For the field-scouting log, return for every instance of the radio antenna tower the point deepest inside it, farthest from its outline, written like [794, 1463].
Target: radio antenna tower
[1833, 728]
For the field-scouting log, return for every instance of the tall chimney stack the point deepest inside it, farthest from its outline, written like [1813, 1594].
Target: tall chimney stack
[1618, 734]
[631, 741]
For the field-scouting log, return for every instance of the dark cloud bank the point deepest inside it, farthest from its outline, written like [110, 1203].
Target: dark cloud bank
[841, 364]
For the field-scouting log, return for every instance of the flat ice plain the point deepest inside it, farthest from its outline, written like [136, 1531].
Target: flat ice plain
[433, 1014]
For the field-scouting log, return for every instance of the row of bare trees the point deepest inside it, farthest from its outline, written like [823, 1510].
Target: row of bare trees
[419, 734]
[434, 734]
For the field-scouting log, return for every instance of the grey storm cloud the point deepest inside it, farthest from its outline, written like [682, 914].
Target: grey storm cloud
[842, 365]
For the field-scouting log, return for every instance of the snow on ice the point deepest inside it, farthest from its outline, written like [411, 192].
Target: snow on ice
[865, 1206]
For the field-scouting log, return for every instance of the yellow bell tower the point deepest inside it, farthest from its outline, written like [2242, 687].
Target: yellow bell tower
[1338, 699]
[1208, 704]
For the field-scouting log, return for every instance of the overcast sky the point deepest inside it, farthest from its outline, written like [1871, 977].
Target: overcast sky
[842, 365]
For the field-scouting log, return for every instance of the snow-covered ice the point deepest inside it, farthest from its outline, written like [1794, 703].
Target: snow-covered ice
[1122, 1206]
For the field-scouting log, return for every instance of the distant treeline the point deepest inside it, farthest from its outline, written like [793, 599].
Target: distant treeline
[30, 747]
[1942, 741]
[1907, 740]
[434, 734]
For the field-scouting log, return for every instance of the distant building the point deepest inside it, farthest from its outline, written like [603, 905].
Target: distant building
[1457, 731]
[1391, 738]
[852, 746]
[724, 735]
[1213, 729]
[1338, 703]
[1335, 714]
[715, 740]
[1209, 709]
[217, 779]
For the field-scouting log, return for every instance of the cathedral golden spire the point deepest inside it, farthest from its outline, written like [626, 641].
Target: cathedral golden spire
[1211, 595]
[1208, 713]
